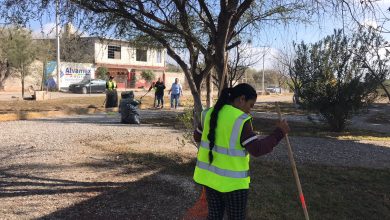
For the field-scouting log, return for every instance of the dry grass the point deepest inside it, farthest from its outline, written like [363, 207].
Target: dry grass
[49, 105]
[285, 107]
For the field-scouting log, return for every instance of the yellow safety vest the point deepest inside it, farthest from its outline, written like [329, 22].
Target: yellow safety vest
[111, 85]
[229, 170]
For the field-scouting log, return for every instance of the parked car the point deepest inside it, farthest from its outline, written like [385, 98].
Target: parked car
[87, 86]
[273, 89]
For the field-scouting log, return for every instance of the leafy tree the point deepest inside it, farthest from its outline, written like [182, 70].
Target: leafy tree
[148, 75]
[5, 69]
[102, 73]
[20, 51]
[329, 79]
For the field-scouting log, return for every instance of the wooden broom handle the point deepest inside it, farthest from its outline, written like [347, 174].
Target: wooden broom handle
[294, 168]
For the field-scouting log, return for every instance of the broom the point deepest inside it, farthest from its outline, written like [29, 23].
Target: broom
[199, 210]
[294, 168]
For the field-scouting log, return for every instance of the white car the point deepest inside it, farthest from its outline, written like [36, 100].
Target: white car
[273, 89]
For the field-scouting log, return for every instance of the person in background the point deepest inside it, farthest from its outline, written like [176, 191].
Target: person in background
[111, 84]
[227, 140]
[153, 86]
[176, 91]
[159, 86]
[111, 93]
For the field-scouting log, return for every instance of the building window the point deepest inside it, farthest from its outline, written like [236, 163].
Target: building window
[159, 56]
[141, 55]
[114, 52]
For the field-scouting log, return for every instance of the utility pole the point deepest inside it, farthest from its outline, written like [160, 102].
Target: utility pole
[262, 78]
[58, 45]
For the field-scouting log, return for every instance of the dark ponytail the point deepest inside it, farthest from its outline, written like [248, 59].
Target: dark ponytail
[227, 96]
[222, 100]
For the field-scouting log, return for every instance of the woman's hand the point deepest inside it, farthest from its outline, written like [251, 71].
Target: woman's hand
[283, 126]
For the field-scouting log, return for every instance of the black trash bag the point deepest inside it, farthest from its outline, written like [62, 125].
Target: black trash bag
[111, 99]
[127, 95]
[129, 111]
[131, 115]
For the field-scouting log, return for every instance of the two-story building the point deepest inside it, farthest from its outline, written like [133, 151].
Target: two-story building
[123, 60]
[126, 62]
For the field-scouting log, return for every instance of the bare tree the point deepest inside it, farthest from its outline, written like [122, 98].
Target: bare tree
[282, 65]
[242, 57]
[374, 55]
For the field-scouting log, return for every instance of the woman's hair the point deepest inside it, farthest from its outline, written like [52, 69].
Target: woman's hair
[227, 96]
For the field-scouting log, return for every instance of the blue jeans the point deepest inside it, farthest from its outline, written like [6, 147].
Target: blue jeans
[160, 98]
[176, 98]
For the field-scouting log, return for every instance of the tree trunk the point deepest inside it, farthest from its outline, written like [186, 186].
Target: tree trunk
[221, 70]
[1, 85]
[22, 78]
[209, 87]
[198, 108]
[5, 77]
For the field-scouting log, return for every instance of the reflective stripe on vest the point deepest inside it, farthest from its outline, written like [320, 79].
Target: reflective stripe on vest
[223, 150]
[236, 130]
[222, 172]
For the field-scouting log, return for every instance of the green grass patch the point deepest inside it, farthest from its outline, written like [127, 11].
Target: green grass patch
[330, 192]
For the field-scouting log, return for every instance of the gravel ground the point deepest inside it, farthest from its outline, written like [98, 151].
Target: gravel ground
[48, 166]
[357, 122]
[333, 152]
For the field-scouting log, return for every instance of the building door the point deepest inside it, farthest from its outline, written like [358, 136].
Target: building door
[131, 79]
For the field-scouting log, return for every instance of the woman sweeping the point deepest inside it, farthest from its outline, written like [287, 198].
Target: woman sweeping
[226, 137]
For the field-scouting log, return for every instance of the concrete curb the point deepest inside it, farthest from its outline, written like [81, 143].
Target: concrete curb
[26, 115]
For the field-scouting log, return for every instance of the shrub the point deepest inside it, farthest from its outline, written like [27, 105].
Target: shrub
[148, 75]
[329, 79]
[101, 73]
[187, 119]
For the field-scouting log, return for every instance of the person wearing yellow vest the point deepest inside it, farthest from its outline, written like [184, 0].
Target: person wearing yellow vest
[111, 93]
[110, 84]
[226, 139]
